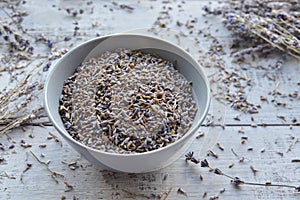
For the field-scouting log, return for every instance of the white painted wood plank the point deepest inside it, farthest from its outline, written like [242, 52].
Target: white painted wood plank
[89, 182]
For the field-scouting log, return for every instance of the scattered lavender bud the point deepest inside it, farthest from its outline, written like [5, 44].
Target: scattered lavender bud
[204, 163]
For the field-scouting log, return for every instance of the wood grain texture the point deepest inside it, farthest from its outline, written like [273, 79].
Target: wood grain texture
[273, 150]
[270, 150]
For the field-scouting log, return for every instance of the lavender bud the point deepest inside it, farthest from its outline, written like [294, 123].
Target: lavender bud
[237, 181]
[218, 171]
[204, 163]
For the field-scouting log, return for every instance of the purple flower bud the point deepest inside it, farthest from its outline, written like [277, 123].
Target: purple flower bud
[50, 43]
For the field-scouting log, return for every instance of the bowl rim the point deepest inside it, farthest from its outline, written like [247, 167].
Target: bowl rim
[63, 131]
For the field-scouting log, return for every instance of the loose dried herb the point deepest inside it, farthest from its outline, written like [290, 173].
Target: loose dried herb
[127, 101]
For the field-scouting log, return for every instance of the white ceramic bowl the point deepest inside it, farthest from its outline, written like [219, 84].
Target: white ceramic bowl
[138, 162]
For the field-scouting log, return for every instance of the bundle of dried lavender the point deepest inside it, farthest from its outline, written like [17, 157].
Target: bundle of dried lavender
[270, 23]
[21, 67]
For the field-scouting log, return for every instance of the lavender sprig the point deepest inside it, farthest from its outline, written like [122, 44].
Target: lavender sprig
[234, 180]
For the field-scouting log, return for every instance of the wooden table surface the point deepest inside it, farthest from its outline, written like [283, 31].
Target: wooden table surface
[266, 141]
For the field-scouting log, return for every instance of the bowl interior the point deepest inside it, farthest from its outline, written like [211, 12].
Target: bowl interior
[66, 66]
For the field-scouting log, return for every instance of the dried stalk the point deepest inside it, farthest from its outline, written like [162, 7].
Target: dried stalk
[53, 173]
[234, 180]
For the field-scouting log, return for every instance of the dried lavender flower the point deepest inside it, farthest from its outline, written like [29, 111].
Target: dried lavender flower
[204, 163]
[264, 24]
[218, 171]
[236, 180]
[190, 157]
[127, 101]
